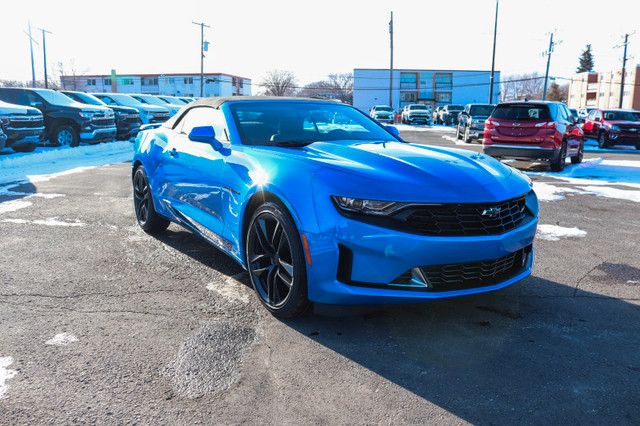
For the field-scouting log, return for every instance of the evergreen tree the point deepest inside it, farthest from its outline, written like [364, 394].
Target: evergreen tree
[586, 60]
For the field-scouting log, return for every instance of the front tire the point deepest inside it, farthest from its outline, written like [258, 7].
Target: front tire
[602, 140]
[65, 135]
[458, 135]
[148, 219]
[466, 137]
[25, 147]
[275, 261]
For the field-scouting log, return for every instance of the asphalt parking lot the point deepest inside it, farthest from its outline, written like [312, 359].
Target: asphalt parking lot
[102, 323]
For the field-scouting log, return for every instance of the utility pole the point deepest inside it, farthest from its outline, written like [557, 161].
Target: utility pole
[493, 58]
[391, 62]
[624, 64]
[33, 68]
[202, 25]
[44, 51]
[548, 53]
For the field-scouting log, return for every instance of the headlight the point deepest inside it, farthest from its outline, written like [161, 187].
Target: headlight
[86, 114]
[615, 128]
[358, 205]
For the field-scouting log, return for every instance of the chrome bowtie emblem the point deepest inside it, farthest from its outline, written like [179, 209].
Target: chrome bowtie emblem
[491, 212]
[516, 124]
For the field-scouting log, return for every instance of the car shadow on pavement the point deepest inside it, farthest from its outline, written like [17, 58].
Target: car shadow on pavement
[536, 352]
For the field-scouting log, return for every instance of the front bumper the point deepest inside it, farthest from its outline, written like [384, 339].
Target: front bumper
[420, 119]
[127, 129]
[623, 139]
[519, 151]
[379, 256]
[385, 119]
[16, 135]
[99, 134]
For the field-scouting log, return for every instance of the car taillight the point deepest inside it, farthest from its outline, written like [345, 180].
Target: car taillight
[489, 124]
[547, 125]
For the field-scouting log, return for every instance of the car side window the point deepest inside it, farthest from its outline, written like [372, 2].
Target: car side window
[591, 115]
[598, 114]
[26, 98]
[204, 116]
[107, 100]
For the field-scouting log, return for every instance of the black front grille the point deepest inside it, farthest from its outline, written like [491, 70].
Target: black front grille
[476, 274]
[104, 122]
[465, 219]
[24, 123]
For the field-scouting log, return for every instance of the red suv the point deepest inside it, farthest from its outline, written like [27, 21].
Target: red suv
[612, 127]
[535, 130]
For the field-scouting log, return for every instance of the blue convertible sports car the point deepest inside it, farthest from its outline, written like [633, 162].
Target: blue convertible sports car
[320, 203]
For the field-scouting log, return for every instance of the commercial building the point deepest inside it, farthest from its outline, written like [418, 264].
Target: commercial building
[430, 87]
[602, 90]
[160, 84]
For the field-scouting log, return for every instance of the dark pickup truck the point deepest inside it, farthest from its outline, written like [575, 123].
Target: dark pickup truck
[67, 122]
[471, 121]
[23, 127]
[128, 119]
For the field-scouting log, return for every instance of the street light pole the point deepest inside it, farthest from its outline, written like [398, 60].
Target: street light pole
[624, 64]
[493, 58]
[33, 68]
[548, 53]
[44, 51]
[202, 25]
[391, 62]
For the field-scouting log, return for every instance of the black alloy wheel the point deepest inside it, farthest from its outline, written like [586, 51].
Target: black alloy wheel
[276, 262]
[577, 159]
[146, 214]
[557, 163]
[602, 140]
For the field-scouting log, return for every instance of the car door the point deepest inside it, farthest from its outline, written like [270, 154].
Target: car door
[193, 170]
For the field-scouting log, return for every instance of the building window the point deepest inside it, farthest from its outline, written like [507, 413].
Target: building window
[127, 81]
[107, 82]
[444, 81]
[234, 82]
[188, 80]
[150, 81]
[171, 81]
[407, 96]
[408, 81]
[443, 98]
[241, 83]
[91, 82]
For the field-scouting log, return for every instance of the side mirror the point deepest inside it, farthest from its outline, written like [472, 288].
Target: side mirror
[393, 130]
[205, 134]
[36, 104]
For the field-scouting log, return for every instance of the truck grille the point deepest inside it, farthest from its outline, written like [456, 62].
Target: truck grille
[465, 219]
[104, 122]
[25, 122]
[475, 274]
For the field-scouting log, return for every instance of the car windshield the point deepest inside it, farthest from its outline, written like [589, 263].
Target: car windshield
[300, 123]
[171, 100]
[418, 107]
[125, 100]
[384, 109]
[86, 98]
[484, 110]
[618, 116]
[523, 112]
[455, 107]
[151, 100]
[55, 98]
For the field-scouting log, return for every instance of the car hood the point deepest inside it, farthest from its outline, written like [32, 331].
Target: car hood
[7, 109]
[153, 108]
[124, 109]
[624, 124]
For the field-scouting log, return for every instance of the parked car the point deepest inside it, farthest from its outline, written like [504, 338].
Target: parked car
[449, 114]
[127, 118]
[149, 114]
[612, 127]
[636, 114]
[22, 127]
[471, 121]
[582, 114]
[66, 121]
[534, 131]
[416, 114]
[152, 100]
[186, 99]
[173, 100]
[382, 113]
[292, 201]
[435, 116]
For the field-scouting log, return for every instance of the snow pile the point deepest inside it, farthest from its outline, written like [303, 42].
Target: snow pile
[20, 167]
[546, 192]
[62, 339]
[592, 146]
[554, 233]
[5, 373]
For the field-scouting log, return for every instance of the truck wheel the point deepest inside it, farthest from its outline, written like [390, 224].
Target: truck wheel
[65, 135]
[602, 140]
[466, 137]
[25, 147]
[458, 135]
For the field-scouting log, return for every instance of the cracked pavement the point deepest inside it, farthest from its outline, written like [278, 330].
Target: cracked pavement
[169, 332]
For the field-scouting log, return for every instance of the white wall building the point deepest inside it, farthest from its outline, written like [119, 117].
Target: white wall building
[430, 87]
[217, 84]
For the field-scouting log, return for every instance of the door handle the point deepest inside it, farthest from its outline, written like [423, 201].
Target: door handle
[173, 152]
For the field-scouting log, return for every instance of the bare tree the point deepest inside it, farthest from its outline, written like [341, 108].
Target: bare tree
[317, 89]
[279, 83]
[12, 83]
[342, 86]
[521, 86]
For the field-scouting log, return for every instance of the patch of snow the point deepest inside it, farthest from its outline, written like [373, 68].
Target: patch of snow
[554, 233]
[592, 146]
[62, 339]
[633, 282]
[52, 221]
[230, 289]
[5, 374]
[13, 205]
[547, 192]
[608, 192]
[52, 161]
[618, 171]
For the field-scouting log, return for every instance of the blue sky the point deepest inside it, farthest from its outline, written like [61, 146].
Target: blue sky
[313, 39]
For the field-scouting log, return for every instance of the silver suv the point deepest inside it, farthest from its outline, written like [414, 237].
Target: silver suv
[382, 113]
[416, 113]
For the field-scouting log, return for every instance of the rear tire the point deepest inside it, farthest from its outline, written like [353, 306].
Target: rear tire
[25, 147]
[148, 219]
[577, 159]
[602, 140]
[557, 163]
